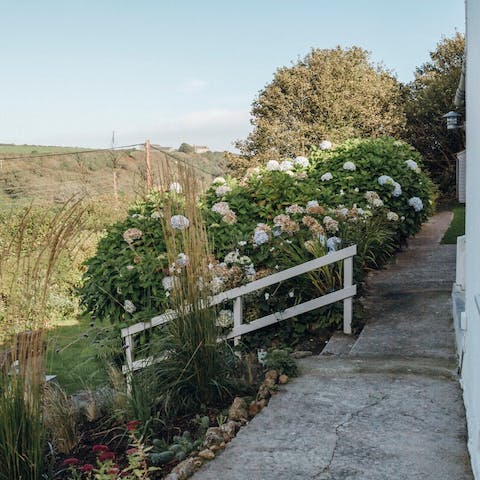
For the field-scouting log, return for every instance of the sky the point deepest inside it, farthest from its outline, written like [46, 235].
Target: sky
[183, 70]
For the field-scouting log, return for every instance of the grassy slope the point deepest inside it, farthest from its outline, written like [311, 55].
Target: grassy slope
[56, 178]
[457, 227]
[71, 356]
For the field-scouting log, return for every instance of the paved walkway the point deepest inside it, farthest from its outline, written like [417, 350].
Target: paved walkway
[385, 406]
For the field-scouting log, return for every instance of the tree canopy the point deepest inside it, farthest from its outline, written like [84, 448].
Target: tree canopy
[331, 94]
[430, 96]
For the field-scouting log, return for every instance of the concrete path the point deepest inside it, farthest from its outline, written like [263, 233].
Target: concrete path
[384, 407]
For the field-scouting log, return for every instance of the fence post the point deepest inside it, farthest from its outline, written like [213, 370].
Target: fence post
[129, 359]
[237, 317]
[347, 303]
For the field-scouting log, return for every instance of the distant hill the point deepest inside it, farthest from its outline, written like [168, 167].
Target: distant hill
[52, 174]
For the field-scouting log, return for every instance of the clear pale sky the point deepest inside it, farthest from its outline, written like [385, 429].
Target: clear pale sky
[182, 70]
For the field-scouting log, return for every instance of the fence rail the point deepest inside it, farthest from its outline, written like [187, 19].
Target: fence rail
[345, 294]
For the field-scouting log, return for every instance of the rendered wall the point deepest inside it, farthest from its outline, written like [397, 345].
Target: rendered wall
[471, 361]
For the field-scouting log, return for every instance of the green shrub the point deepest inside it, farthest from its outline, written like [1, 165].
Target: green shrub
[403, 178]
[278, 216]
[282, 361]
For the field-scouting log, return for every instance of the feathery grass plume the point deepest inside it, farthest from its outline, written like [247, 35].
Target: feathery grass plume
[196, 369]
[60, 419]
[32, 242]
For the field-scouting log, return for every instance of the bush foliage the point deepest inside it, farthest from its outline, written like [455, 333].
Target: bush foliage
[371, 192]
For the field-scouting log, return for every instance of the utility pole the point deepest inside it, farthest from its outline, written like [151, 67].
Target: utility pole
[148, 165]
[115, 174]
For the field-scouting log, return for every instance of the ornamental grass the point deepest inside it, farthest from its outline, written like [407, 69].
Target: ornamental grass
[32, 243]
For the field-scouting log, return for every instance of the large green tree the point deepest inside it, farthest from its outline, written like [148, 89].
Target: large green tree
[430, 96]
[330, 94]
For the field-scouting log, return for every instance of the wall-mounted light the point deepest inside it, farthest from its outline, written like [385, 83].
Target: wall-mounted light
[453, 120]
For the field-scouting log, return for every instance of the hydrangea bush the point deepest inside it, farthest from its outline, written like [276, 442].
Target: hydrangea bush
[371, 192]
[370, 171]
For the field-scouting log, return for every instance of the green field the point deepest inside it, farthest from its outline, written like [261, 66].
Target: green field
[11, 149]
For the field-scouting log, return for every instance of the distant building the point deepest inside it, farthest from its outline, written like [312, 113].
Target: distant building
[164, 149]
[200, 148]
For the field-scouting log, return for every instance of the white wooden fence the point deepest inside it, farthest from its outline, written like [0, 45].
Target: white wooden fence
[236, 294]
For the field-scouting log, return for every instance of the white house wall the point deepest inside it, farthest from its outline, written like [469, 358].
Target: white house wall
[471, 359]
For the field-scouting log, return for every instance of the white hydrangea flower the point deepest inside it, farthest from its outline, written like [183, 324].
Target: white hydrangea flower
[232, 257]
[179, 222]
[392, 217]
[301, 162]
[416, 203]
[168, 283]
[412, 164]
[326, 176]
[312, 204]
[175, 187]
[272, 165]
[356, 190]
[385, 180]
[224, 319]
[286, 166]
[129, 307]
[260, 237]
[397, 190]
[216, 284]
[325, 145]
[244, 260]
[350, 166]
[295, 208]
[377, 202]
[132, 234]
[222, 190]
[332, 243]
[221, 207]
[241, 243]
[218, 180]
[182, 260]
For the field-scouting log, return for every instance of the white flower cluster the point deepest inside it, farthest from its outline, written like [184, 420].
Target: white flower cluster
[224, 319]
[350, 166]
[179, 222]
[301, 162]
[385, 180]
[272, 165]
[260, 235]
[132, 234]
[232, 257]
[222, 190]
[286, 166]
[222, 208]
[332, 243]
[129, 307]
[330, 224]
[416, 203]
[326, 176]
[175, 187]
[295, 208]
[218, 180]
[397, 189]
[392, 217]
[182, 260]
[325, 145]
[412, 165]
[373, 199]
[169, 283]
